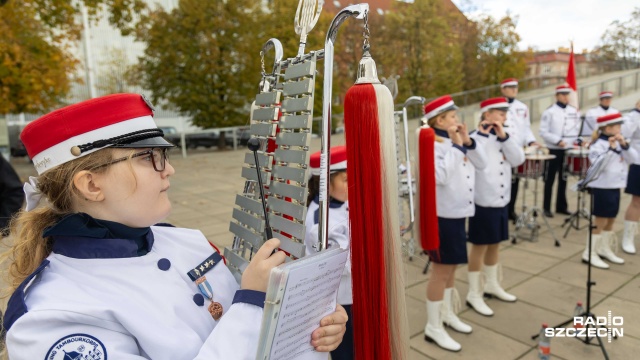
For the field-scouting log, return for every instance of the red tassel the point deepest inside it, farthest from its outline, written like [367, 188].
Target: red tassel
[428, 220]
[370, 303]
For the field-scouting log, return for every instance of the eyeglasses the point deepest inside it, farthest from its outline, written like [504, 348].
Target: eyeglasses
[158, 155]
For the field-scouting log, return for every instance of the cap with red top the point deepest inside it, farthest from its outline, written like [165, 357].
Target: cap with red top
[499, 103]
[337, 161]
[119, 120]
[610, 119]
[439, 106]
[605, 94]
[509, 82]
[563, 89]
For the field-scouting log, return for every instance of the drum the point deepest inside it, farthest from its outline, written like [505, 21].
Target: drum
[533, 166]
[576, 162]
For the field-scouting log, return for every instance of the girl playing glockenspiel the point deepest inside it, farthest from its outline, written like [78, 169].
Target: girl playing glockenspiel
[607, 141]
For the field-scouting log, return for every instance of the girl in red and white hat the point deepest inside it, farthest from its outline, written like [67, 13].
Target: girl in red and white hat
[489, 226]
[609, 143]
[90, 273]
[457, 157]
[338, 234]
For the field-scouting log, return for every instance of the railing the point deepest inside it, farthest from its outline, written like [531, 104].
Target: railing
[587, 96]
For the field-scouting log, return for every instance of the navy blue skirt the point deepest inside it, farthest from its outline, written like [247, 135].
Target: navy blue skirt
[606, 202]
[453, 242]
[489, 225]
[633, 180]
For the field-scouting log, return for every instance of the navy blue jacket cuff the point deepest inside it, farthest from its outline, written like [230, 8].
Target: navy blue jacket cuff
[505, 138]
[250, 297]
[464, 150]
[472, 146]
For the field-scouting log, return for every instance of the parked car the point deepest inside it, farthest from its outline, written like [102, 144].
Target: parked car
[206, 139]
[171, 134]
[242, 135]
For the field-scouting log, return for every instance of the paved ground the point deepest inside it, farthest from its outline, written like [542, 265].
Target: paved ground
[548, 280]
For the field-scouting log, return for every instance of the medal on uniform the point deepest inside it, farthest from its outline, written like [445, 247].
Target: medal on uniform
[197, 275]
[215, 308]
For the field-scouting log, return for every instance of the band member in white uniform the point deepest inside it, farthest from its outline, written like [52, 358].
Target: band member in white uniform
[518, 124]
[591, 116]
[92, 277]
[456, 159]
[489, 226]
[631, 130]
[559, 128]
[338, 234]
[607, 141]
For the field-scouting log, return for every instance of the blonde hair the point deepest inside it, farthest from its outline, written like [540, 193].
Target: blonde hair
[29, 248]
[595, 135]
[432, 122]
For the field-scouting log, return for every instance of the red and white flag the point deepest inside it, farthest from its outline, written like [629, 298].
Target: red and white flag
[571, 80]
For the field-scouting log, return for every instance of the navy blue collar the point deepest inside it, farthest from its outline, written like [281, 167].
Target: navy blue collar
[637, 110]
[333, 203]
[561, 104]
[441, 133]
[511, 100]
[605, 108]
[82, 237]
[603, 137]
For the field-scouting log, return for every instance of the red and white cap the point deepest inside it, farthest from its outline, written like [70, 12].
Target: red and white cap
[605, 94]
[337, 161]
[509, 82]
[499, 103]
[563, 89]
[438, 106]
[119, 120]
[610, 119]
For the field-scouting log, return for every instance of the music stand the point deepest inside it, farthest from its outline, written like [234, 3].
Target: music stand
[574, 219]
[592, 174]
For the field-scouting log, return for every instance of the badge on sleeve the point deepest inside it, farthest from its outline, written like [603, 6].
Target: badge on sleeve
[77, 347]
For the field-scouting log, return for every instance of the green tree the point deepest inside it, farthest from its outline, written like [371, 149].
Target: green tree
[620, 44]
[35, 61]
[415, 42]
[202, 59]
[498, 53]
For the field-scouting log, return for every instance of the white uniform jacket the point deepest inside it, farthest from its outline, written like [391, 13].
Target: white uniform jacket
[339, 235]
[591, 118]
[631, 130]
[616, 168]
[558, 124]
[518, 118]
[493, 183]
[99, 301]
[455, 177]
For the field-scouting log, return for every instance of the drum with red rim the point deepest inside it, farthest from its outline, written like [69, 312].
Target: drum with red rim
[533, 166]
[576, 162]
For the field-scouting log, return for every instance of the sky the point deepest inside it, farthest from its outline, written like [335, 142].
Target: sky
[549, 24]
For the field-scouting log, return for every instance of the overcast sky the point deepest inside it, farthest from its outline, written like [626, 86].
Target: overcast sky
[548, 24]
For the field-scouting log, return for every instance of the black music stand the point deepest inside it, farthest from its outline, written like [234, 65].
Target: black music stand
[574, 219]
[582, 186]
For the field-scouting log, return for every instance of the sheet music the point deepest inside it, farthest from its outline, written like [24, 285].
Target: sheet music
[309, 295]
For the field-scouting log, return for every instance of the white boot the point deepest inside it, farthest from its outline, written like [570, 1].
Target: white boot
[435, 332]
[449, 310]
[492, 286]
[630, 231]
[595, 259]
[607, 247]
[475, 299]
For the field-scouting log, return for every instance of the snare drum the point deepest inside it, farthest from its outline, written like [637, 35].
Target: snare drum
[576, 162]
[533, 166]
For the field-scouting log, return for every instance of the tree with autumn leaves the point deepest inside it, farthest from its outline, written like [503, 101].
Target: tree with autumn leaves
[35, 62]
[202, 58]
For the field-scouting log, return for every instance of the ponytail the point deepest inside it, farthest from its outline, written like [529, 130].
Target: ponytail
[29, 248]
[432, 122]
[314, 188]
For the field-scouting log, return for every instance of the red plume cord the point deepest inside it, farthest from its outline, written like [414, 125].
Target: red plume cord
[427, 201]
[370, 303]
